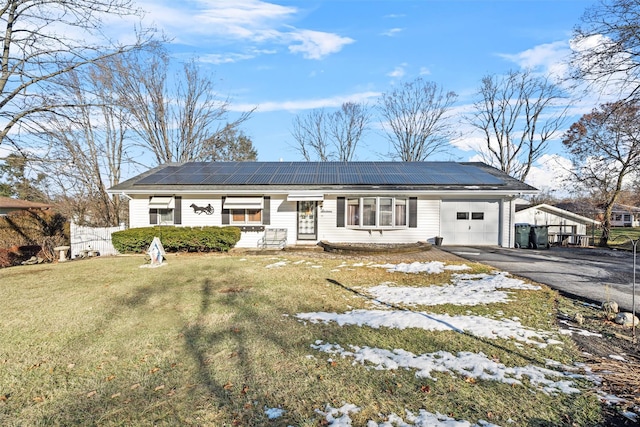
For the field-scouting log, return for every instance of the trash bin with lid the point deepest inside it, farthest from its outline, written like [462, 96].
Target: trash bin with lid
[522, 235]
[539, 237]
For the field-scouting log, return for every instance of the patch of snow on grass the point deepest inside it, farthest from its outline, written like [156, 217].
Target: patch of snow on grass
[631, 415]
[573, 330]
[277, 264]
[466, 364]
[453, 267]
[339, 417]
[467, 289]
[433, 267]
[273, 413]
[401, 319]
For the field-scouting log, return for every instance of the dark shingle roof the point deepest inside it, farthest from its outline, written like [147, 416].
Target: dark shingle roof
[432, 175]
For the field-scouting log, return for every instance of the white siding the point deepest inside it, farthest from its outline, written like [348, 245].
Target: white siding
[192, 219]
[139, 212]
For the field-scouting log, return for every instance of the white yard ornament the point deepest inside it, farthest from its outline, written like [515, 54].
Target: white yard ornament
[156, 252]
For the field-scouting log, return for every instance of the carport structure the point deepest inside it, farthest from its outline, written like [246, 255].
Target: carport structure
[565, 227]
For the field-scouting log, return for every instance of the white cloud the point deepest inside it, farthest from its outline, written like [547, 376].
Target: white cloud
[548, 58]
[398, 72]
[392, 32]
[247, 21]
[316, 44]
[226, 58]
[424, 71]
[306, 104]
[550, 174]
[467, 142]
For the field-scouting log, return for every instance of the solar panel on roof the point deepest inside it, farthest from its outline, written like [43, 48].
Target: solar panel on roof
[259, 179]
[268, 168]
[237, 179]
[168, 180]
[306, 179]
[306, 168]
[285, 178]
[225, 168]
[189, 179]
[308, 173]
[216, 179]
[370, 178]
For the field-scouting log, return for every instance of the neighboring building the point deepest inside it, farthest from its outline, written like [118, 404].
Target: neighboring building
[564, 226]
[625, 216]
[7, 204]
[355, 202]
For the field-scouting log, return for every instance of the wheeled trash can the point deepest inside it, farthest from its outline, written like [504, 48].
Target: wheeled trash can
[522, 235]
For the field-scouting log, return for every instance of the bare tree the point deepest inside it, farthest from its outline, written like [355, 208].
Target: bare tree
[176, 122]
[87, 145]
[346, 127]
[604, 146]
[43, 39]
[415, 119]
[607, 46]
[331, 136]
[517, 116]
[311, 134]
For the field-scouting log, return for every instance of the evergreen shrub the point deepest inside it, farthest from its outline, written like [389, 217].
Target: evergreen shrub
[177, 239]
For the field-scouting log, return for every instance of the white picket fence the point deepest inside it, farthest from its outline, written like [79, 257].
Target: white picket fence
[92, 239]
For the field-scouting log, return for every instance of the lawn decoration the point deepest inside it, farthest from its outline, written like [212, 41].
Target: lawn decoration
[200, 209]
[156, 253]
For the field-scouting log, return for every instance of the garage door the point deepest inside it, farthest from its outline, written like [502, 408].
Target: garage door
[465, 222]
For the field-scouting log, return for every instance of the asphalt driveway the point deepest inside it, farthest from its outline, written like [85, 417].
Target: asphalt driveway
[595, 275]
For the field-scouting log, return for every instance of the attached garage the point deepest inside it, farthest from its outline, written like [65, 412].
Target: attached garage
[470, 222]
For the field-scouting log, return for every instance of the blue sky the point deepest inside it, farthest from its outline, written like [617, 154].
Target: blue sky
[287, 57]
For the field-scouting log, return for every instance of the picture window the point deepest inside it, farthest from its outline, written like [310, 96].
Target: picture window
[376, 212]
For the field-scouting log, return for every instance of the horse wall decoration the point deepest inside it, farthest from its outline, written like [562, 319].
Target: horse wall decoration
[200, 209]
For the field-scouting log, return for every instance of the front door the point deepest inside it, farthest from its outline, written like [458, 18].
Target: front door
[307, 223]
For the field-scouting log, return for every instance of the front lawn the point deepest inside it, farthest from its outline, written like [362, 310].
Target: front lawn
[222, 340]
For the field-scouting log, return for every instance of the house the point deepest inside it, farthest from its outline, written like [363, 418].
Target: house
[565, 227]
[625, 216]
[354, 202]
[7, 204]
[621, 215]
